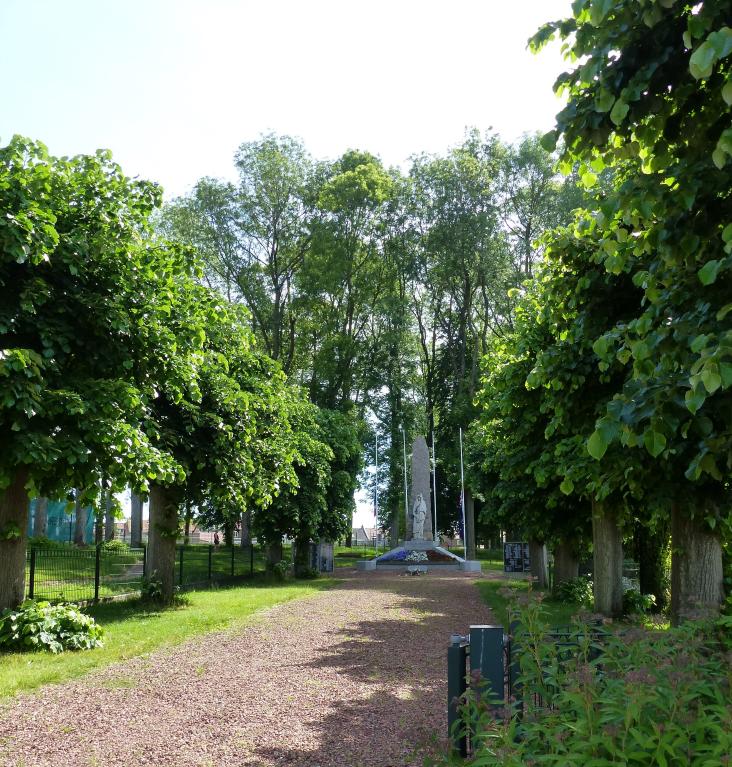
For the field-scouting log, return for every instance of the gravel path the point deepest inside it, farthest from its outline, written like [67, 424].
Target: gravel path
[350, 677]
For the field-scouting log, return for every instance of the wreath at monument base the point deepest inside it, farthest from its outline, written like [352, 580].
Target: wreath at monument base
[416, 557]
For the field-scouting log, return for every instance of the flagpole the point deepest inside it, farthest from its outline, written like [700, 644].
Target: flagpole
[434, 487]
[406, 496]
[462, 495]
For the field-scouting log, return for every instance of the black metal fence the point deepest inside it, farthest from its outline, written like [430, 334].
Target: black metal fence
[80, 575]
[200, 565]
[70, 574]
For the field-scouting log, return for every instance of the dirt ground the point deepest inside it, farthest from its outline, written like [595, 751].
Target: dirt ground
[353, 676]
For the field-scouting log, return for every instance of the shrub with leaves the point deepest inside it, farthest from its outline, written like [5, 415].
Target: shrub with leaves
[576, 591]
[280, 570]
[118, 547]
[44, 626]
[635, 697]
[635, 602]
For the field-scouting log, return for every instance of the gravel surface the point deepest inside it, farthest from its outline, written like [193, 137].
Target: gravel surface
[353, 676]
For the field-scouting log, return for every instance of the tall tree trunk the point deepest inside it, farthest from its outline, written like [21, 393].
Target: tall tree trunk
[246, 529]
[228, 533]
[469, 524]
[108, 517]
[14, 503]
[80, 518]
[696, 568]
[566, 563]
[135, 520]
[40, 518]
[187, 529]
[274, 553]
[162, 536]
[539, 564]
[301, 562]
[651, 548]
[607, 544]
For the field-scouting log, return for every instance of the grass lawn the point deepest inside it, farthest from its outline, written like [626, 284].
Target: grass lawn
[556, 613]
[490, 559]
[347, 556]
[133, 628]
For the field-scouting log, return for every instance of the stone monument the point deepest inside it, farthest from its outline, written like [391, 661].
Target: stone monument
[419, 515]
[419, 553]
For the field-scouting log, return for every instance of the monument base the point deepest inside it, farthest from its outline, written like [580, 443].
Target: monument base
[421, 553]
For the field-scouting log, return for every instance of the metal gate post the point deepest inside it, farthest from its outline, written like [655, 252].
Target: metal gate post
[210, 563]
[486, 658]
[32, 574]
[97, 569]
[456, 685]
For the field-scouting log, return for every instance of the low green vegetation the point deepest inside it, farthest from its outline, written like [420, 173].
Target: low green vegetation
[347, 556]
[134, 628]
[500, 594]
[628, 697]
[38, 626]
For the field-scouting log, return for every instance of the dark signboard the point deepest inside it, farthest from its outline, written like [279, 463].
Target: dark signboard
[516, 558]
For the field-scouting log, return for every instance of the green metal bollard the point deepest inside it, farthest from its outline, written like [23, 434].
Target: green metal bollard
[486, 659]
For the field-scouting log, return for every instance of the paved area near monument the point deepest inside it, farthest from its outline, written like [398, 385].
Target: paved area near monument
[351, 677]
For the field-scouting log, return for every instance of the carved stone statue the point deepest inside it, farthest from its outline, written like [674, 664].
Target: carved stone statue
[419, 514]
[419, 519]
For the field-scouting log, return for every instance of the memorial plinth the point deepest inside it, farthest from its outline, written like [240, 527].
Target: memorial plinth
[419, 550]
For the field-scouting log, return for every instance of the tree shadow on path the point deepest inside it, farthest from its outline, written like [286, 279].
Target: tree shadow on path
[397, 666]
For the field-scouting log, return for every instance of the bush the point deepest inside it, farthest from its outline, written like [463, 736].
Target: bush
[43, 626]
[281, 570]
[635, 602]
[117, 547]
[636, 697]
[151, 589]
[42, 542]
[577, 591]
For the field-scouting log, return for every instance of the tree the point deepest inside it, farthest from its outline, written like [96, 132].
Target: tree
[228, 430]
[253, 237]
[75, 351]
[654, 106]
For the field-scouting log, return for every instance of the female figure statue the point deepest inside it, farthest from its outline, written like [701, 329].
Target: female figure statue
[419, 514]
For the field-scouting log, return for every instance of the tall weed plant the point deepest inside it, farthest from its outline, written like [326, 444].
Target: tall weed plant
[598, 697]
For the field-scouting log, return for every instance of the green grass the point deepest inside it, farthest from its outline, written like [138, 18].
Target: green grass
[556, 613]
[133, 628]
[347, 556]
[490, 559]
[65, 572]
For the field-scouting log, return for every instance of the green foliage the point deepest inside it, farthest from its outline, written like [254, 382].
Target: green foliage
[637, 697]
[42, 542]
[43, 626]
[577, 591]
[281, 571]
[88, 285]
[151, 589]
[118, 547]
[635, 602]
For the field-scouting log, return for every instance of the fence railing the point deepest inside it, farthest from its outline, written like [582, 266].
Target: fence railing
[199, 565]
[70, 574]
[82, 575]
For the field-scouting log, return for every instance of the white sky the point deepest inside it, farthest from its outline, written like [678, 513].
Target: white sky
[172, 87]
